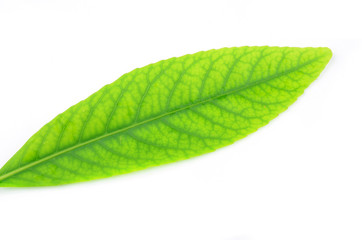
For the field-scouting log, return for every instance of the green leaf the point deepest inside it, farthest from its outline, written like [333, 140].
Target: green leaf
[168, 111]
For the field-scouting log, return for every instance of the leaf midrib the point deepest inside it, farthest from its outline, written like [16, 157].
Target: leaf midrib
[18, 170]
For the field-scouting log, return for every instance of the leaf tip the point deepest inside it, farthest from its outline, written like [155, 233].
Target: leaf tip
[327, 52]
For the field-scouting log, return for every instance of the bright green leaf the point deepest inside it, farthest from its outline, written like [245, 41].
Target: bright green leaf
[164, 112]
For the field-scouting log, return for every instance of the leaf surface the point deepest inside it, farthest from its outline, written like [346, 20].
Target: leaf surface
[167, 111]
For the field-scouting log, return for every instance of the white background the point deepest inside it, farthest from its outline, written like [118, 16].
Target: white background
[300, 177]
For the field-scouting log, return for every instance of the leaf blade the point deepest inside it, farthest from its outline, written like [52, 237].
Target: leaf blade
[148, 116]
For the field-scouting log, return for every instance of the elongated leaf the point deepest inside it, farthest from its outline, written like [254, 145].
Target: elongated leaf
[164, 112]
